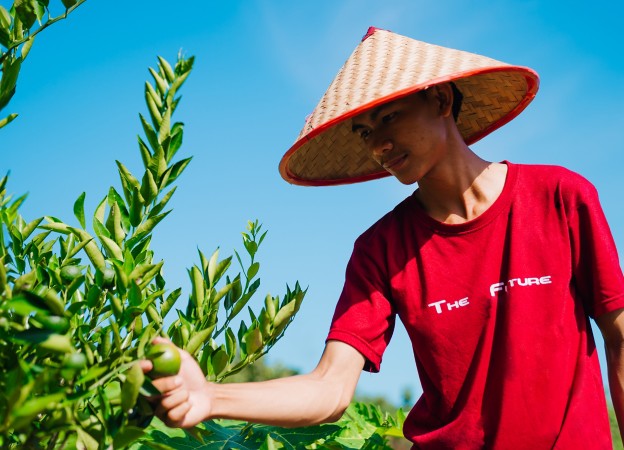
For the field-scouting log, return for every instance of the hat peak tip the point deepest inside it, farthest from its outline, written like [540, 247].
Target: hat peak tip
[371, 30]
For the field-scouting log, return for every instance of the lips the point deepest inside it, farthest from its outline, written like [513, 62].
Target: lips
[393, 162]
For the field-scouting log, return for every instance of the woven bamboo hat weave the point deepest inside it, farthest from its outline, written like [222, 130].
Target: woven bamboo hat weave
[386, 66]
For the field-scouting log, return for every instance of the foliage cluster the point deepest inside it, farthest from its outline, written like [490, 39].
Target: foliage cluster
[79, 305]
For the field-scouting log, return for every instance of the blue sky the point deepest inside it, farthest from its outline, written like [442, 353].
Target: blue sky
[261, 66]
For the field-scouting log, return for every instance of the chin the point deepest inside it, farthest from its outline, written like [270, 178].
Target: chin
[406, 181]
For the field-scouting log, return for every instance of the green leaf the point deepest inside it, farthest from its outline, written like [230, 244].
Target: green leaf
[5, 18]
[176, 170]
[10, 71]
[176, 85]
[128, 182]
[198, 339]
[230, 344]
[25, 306]
[161, 84]
[26, 12]
[136, 207]
[284, 315]
[152, 107]
[165, 125]
[93, 373]
[8, 119]
[127, 436]
[149, 90]
[58, 343]
[91, 249]
[30, 227]
[84, 439]
[114, 197]
[253, 341]
[212, 267]
[131, 386]
[219, 361]
[150, 134]
[40, 9]
[170, 301]
[114, 223]
[166, 68]
[31, 408]
[146, 154]
[27, 46]
[149, 189]
[145, 228]
[177, 132]
[79, 209]
[253, 270]
[198, 291]
[100, 229]
[162, 203]
[69, 3]
[113, 250]
[158, 164]
[100, 211]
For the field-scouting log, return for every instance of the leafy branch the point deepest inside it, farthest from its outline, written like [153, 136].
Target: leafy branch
[17, 36]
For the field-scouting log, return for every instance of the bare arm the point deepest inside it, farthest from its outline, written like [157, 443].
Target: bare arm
[612, 328]
[319, 396]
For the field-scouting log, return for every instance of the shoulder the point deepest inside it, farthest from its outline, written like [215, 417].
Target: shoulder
[381, 234]
[553, 178]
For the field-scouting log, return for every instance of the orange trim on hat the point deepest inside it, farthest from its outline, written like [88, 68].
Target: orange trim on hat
[531, 78]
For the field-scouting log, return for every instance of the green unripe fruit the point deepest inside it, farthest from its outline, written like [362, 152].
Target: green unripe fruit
[105, 278]
[108, 277]
[75, 361]
[165, 358]
[70, 273]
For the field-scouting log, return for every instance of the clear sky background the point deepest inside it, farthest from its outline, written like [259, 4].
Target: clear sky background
[261, 67]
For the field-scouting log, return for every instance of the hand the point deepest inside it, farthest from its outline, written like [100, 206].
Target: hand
[185, 398]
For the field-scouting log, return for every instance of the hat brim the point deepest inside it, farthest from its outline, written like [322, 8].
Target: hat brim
[365, 169]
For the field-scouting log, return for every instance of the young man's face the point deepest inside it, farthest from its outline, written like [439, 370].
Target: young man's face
[407, 136]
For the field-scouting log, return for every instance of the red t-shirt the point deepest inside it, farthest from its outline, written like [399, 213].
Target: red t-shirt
[497, 312]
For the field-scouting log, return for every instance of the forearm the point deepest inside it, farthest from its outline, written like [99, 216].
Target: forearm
[300, 400]
[320, 396]
[615, 364]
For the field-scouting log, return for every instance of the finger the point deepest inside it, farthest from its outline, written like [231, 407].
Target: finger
[174, 399]
[176, 416]
[167, 384]
[161, 340]
[146, 365]
[173, 402]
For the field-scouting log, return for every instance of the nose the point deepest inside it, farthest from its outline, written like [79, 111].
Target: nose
[380, 147]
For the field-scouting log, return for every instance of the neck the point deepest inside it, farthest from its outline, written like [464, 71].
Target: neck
[461, 186]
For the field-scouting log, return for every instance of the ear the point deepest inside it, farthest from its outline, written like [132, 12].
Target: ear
[444, 98]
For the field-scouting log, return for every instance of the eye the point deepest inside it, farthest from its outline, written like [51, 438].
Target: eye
[364, 133]
[389, 117]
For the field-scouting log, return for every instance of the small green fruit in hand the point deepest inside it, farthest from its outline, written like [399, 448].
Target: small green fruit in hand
[165, 358]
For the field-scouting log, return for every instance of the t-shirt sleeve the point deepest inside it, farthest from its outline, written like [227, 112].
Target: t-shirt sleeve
[364, 317]
[596, 268]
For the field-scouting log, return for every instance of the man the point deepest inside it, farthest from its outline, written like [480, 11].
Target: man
[493, 268]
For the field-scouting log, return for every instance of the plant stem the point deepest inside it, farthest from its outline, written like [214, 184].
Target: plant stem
[43, 27]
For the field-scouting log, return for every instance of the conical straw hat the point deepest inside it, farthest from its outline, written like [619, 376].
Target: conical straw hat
[384, 67]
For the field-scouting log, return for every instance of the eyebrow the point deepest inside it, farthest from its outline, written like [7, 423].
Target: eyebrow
[373, 116]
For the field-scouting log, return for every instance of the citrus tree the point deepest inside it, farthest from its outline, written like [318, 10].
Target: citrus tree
[80, 305]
